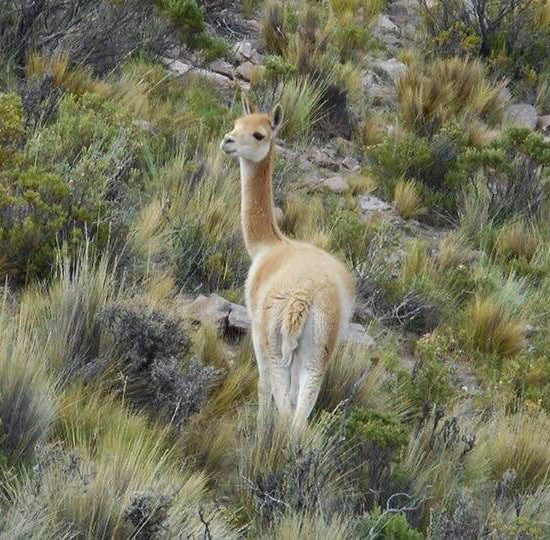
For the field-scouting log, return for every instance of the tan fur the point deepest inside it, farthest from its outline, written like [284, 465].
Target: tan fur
[299, 297]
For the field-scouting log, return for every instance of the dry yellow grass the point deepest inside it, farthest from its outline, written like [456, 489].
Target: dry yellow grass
[416, 262]
[491, 328]
[407, 200]
[518, 442]
[518, 240]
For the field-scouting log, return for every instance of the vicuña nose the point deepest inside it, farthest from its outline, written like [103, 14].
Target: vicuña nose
[228, 139]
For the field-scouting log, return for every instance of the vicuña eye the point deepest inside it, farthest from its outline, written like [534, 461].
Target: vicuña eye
[258, 136]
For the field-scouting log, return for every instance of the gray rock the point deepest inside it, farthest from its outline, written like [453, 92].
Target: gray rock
[243, 50]
[338, 184]
[384, 25]
[223, 68]
[521, 115]
[351, 164]
[322, 159]
[183, 70]
[505, 95]
[370, 203]
[235, 317]
[390, 69]
[246, 70]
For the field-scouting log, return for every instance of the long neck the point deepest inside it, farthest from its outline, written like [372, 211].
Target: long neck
[257, 208]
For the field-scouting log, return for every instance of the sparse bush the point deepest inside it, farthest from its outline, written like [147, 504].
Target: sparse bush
[389, 525]
[407, 200]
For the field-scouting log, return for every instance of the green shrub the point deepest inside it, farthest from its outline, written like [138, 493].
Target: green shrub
[364, 425]
[380, 525]
[11, 126]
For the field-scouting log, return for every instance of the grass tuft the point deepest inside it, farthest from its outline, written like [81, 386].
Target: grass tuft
[407, 199]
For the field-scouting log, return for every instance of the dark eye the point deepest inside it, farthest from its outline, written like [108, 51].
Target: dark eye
[258, 136]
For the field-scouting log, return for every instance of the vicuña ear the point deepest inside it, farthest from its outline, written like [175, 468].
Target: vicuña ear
[247, 106]
[276, 117]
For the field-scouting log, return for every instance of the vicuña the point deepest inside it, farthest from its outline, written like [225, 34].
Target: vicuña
[298, 296]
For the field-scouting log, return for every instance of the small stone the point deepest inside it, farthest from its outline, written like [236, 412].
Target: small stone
[322, 159]
[223, 67]
[521, 115]
[311, 182]
[211, 309]
[384, 25]
[358, 335]
[390, 69]
[338, 184]
[530, 330]
[243, 50]
[246, 70]
[351, 164]
[370, 203]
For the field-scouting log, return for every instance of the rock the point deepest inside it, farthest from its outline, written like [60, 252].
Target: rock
[233, 317]
[223, 68]
[312, 181]
[338, 184]
[384, 25]
[370, 203]
[322, 159]
[351, 164]
[390, 69]
[521, 115]
[243, 50]
[544, 123]
[181, 69]
[245, 71]
[211, 309]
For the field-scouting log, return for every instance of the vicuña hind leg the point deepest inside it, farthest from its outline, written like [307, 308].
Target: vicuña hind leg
[313, 354]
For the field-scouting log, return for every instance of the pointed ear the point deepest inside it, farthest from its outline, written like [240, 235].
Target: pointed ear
[247, 107]
[276, 117]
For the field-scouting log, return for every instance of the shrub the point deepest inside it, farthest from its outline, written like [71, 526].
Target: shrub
[273, 27]
[489, 327]
[512, 170]
[150, 346]
[407, 200]
[27, 406]
[504, 32]
[389, 525]
[449, 89]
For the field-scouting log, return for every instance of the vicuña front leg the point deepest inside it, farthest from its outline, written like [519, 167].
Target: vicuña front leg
[264, 378]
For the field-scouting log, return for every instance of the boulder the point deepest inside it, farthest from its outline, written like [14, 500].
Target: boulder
[322, 159]
[234, 318]
[245, 71]
[521, 115]
[223, 68]
[390, 69]
[351, 164]
[370, 203]
[338, 184]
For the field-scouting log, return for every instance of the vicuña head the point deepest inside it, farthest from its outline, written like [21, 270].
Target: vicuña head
[253, 134]
[298, 296]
